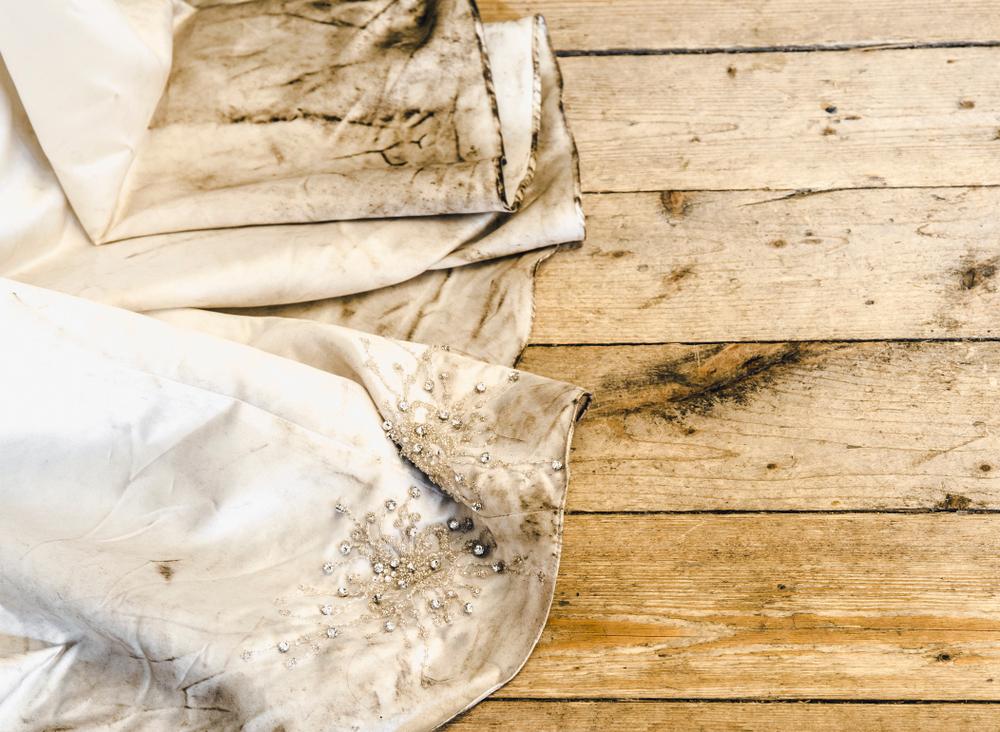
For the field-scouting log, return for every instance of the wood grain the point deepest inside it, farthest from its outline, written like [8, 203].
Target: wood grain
[773, 606]
[758, 265]
[787, 426]
[724, 717]
[923, 117]
[629, 24]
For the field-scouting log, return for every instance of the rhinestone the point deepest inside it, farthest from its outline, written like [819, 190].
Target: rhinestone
[371, 518]
[290, 663]
[283, 647]
[436, 604]
[453, 524]
[418, 448]
[345, 548]
[342, 591]
[459, 477]
[378, 567]
[412, 531]
[435, 563]
[246, 655]
[394, 563]
[443, 415]
[390, 505]
[414, 491]
[484, 458]
[389, 626]
[411, 566]
[498, 567]
[377, 598]
[419, 429]
[328, 568]
[513, 376]
[340, 508]
[557, 465]
[403, 405]
[478, 549]
[480, 387]
[327, 609]
[401, 584]
[428, 385]
[456, 423]
[387, 425]
[477, 506]
[468, 608]
[332, 632]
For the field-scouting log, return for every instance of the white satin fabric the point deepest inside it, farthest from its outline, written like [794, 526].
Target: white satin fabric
[260, 518]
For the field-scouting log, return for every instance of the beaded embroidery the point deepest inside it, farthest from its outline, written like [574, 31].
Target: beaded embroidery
[402, 572]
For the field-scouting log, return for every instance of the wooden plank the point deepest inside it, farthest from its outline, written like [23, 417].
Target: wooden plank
[923, 117]
[630, 24]
[723, 717]
[815, 606]
[731, 266]
[787, 426]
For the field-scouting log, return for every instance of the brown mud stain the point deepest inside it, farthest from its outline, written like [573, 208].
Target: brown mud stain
[705, 378]
[675, 204]
[953, 502]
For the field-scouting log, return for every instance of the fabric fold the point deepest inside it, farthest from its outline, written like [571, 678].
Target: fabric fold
[265, 269]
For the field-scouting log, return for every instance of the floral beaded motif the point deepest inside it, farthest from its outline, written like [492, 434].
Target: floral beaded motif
[396, 571]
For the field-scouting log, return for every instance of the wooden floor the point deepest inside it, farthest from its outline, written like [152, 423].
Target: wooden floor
[784, 511]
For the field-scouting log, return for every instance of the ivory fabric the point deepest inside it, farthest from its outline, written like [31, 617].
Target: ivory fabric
[265, 269]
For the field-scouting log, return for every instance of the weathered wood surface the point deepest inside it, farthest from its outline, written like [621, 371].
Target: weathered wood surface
[786, 426]
[655, 24]
[808, 606]
[724, 717]
[760, 265]
[924, 117]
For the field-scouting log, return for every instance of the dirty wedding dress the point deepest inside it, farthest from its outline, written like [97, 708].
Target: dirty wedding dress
[265, 267]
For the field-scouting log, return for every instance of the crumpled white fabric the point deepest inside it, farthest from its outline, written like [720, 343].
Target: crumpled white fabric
[179, 486]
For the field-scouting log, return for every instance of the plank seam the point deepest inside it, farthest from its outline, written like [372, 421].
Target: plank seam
[794, 48]
[734, 700]
[827, 341]
[785, 511]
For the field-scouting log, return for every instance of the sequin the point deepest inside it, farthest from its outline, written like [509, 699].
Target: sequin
[326, 609]
[480, 387]
[468, 608]
[557, 465]
[390, 505]
[283, 647]
[345, 548]
[328, 568]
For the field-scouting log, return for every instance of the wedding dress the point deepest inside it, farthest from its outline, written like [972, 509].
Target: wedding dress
[265, 268]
